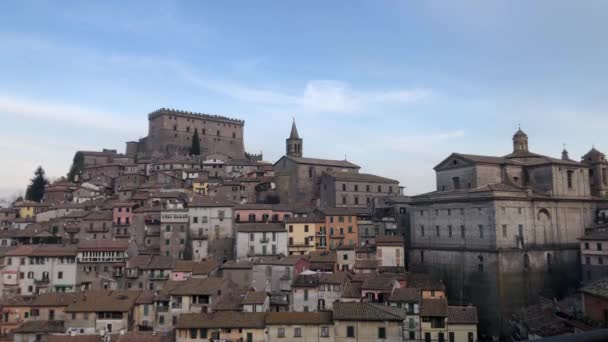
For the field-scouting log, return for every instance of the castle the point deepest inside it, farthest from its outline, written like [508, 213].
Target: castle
[170, 133]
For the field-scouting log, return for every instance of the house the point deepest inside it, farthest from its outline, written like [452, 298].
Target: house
[340, 227]
[462, 323]
[433, 316]
[595, 300]
[37, 331]
[255, 301]
[223, 325]
[15, 310]
[408, 298]
[122, 218]
[367, 322]
[101, 264]
[29, 209]
[301, 326]
[195, 295]
[302, 233]
[185, 269]
[239, 272]
[148, 272]
[390, 251]
[257, 212]
[97, 225]
[323, 261]
[211, 222]
[101, 311]
[594, 254]
[174, 222]
[318, 292]
[276, 273]
[345, 258]
[378, 288]
[254, 239]
[41, 268]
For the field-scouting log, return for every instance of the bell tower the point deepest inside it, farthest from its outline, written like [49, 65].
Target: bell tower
[520, 141]
[293, 144]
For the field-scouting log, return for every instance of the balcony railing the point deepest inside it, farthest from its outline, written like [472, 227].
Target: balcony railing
[42, 282]
[156, 276]
[264, 240]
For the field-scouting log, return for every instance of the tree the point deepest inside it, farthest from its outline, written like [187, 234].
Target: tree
[77, 166]
[195, 150]
[35, 191]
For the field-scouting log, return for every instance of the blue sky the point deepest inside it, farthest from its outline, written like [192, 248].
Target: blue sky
[395, 86]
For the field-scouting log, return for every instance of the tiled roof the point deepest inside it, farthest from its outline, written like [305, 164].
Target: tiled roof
[597, 288]
[103, 245]
[289, 260]
[462, 315]
[597, 235]
[298, 318]
[56, 299]
[196, 267]
[207, 202]
[260, 227]
[389, 240]
[424, 281]
[99, 215]
[231, 264]
[339, 211]
[405, 294]
[313, 280]
[101, 301]
[322, 256]
[43, 250]
[311, 218]
[321, 162]
[75, 338]
[379, 282]
[196, 286]
[30, 327]
[360, 177]
[365, 312]
[254, 297]
[222, 319]
[434, 307]
[352, 290]
[366, 264]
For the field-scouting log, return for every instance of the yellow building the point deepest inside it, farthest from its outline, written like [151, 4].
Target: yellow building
[29, 209]
[200, 187]
[462, 323]
[433, 317]
[301, 234]
[221, 325]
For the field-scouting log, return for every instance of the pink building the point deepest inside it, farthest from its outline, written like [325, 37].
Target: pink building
[123, 213]
[261, 213]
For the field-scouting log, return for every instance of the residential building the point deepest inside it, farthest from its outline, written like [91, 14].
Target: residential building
[433, 317]
[302, 234]
[594, 254]
[462, 324]
[300, 326]
[221, 326]
[101, 264]
[367, 322]
[211, 224]
[341, 227]
[256, 239]
[390, 251]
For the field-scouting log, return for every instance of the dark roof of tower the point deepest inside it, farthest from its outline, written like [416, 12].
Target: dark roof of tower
[593, 152]
[294, 131]
[520, 133]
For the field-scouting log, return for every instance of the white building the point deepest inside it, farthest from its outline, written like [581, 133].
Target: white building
[210, 220]
[40, 268]
[255, 239]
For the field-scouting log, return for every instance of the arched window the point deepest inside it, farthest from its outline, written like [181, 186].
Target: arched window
[321, 304]
[543, 214]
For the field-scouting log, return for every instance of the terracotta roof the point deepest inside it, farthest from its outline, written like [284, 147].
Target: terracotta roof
[55, 299]
[405, 294]
[289, 260]
[424, 281]
[366, 312]
[366, 264]
[321, 162]
[103, 245]
[231, 264]
[352, 290]
[222, 319]
[311, 218]
[230, 301]
[597, 288]
[322, 256]
[462, 315]
[298, 318]
[254, 297]
[196, 267]
[260, 227]
[43, 250]
[205, 202]
[313, 280]
[360, 177]
[195, 286]
[379, 282]
[99, 215]
[30, 327]
[75, 338]
[390, 240]
[434, 307]
[100, 301]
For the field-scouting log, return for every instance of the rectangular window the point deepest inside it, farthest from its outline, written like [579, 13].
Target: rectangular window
[504, 230]
[422, 231]
[281, 332]
[600, 260]
[480, 231]
[462, 232]
[297, 332]
[450, 230]
[570, 174]
[381, 332]
[324, 331]
[437, 230]
[599, 246]
[350, 331]
[586, 245]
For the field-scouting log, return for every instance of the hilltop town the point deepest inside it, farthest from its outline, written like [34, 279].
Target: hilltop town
[187, 237]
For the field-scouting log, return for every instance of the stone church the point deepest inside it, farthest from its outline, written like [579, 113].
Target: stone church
[503, 230]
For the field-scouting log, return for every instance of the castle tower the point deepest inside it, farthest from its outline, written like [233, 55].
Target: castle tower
[293, 144]
[520, 141]
[598, 172]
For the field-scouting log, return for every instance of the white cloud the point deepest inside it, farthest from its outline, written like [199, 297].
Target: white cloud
[69, 114]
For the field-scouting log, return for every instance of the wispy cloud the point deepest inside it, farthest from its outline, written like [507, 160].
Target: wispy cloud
[320, 96]
[66, 113]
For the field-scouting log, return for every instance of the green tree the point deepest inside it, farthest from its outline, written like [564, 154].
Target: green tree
[35, 191]
[195, 150]
[77, 166]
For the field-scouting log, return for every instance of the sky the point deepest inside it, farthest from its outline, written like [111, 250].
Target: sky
[393, 86]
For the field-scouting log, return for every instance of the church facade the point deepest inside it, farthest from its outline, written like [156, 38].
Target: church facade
[503, 230]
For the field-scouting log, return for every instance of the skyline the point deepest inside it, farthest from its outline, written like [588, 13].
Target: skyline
[396, 96]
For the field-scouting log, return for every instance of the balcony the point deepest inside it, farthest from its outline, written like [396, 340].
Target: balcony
[264, 240]
[321, 233]
[176, 305]
[42, 282]
[162, 308]
[132, 273]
